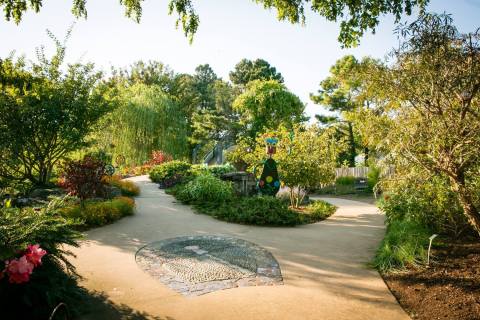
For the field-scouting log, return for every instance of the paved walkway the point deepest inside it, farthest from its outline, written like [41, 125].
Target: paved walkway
[324, 265]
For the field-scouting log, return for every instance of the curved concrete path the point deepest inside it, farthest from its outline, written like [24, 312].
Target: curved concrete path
[324, 265]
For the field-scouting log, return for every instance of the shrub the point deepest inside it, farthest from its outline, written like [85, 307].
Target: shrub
[83, 178]
[159, 157]
[51, 282]
[428, 201]
[170, 172]
[101, 155]
[219, 170]
[345, 181]
[128, 188]
[99, 213]
[318, 210]
[404, 245]
[373, 177]
[261, 210]
[206, 188]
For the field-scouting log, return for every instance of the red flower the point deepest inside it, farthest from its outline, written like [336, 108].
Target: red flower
[19, 270]
[34, 254]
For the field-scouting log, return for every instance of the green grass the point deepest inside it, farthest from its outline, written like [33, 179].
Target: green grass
[405, 244]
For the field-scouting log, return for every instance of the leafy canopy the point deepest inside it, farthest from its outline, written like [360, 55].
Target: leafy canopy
[267, 104]
[46, 113]
[356, 17]
[427, 111]
[248, 70]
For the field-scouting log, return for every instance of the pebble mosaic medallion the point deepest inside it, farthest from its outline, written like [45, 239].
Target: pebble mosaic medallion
[197, 265]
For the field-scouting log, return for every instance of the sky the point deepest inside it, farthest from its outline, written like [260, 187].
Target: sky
[229, 31]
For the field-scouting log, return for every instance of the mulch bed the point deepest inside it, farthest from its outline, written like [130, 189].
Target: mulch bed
[448, 289]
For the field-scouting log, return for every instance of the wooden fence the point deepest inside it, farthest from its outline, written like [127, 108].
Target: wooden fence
[361, 172]
[357, 172]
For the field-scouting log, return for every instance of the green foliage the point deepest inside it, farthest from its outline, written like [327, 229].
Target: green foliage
[305, 155]
[427, 106]
[356, 17]
[150, 121]
[261, 210]
[128, 188]
[215, 170]
[267, 105]
[206, 188]
[95, 213]
[373, 178]
[405, 244]
[340, 92]
[259, 69]
[426, 200]
[169, 170]
[52, 282]
[46, 113]
[318, 210]
[345, 181]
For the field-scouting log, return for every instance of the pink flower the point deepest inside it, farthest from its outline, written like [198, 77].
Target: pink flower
[19, 270]
[34, 254]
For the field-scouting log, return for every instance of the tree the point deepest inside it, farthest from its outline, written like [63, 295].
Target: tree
[428, 109]
[306, 157]
[150, 120]
[149, 73]
[338, 94]
[204, 81]
[45, 113]
[219, 124]
[356, 17]
[259, 69]
[267, 104]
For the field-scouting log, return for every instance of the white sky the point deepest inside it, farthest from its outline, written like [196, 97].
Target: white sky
[229, 31]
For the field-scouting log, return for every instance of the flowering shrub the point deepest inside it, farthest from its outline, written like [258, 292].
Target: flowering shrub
[20, 269]
[159, 157]
[35, 274]
[83, 178]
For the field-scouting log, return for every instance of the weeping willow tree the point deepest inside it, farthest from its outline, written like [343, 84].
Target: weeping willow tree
[145, 120]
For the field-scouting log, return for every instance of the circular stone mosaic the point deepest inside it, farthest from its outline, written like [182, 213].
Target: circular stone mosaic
[201, 264]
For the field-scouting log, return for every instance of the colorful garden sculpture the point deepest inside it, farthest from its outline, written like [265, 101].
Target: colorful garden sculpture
[269, 183]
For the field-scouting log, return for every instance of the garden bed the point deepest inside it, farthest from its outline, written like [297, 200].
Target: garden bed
[448, 289]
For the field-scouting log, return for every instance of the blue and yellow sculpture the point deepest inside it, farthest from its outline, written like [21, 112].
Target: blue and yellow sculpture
[269, 182]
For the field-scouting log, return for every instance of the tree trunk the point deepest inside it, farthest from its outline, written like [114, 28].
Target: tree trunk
[351, 142]
[466, 201]
[366, 152]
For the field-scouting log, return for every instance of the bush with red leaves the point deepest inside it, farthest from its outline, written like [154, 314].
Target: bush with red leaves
[83, 178]
[159, 157]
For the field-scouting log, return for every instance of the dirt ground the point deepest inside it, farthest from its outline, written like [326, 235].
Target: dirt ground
[448, 289]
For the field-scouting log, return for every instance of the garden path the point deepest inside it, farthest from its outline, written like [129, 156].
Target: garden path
[324, 265]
